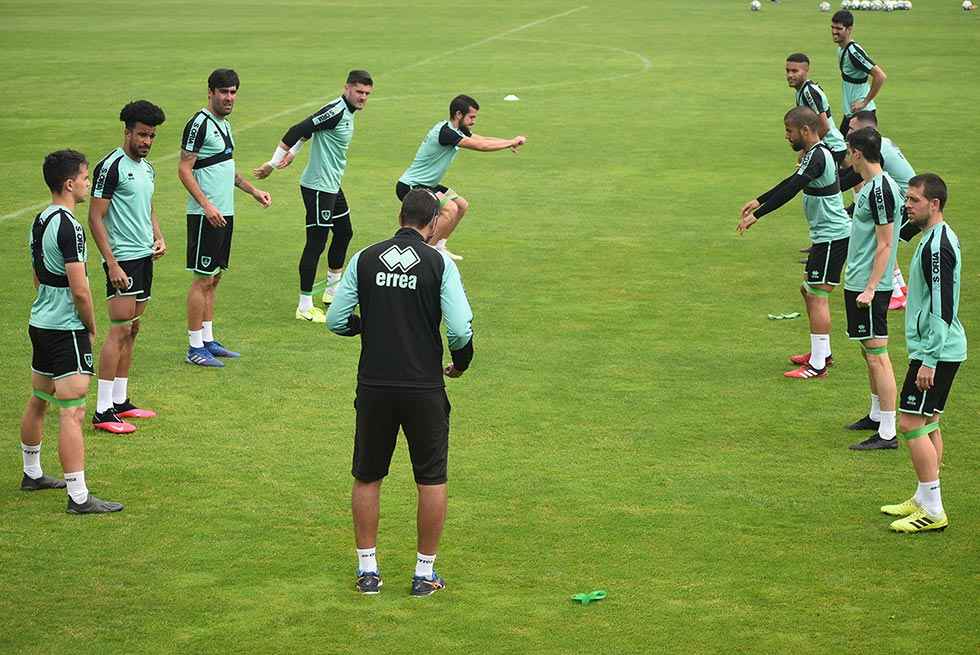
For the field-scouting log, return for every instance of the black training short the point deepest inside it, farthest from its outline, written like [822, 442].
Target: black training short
[323, 208]
[208, 247]
[140, 274]
[424, 417]
[60, 353]
[402, 189]
[867, 322]
[933, 401]
[826, 261]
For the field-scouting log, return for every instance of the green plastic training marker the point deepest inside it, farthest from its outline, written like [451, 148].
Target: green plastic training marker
[585, 599]
[783, 317]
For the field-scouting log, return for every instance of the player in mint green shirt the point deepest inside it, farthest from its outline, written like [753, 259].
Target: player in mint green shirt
[894, 163]
[937, 345]
[62, 329]
[127, 233]
[809, 94]
[436, 152]
[816, 177]
[330, 130]
[868, 282]
[207, 171]
[856, 67]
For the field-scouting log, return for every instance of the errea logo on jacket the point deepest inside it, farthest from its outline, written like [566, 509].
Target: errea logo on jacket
[397, 259]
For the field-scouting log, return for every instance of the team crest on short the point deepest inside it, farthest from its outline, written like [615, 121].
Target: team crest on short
[129, 283]
[395, 259]
[325, 215]
[814, 274]
[88, 359]
[862, 327]
[205, 261]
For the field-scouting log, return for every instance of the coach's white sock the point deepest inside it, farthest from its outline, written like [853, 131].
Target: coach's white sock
[120, 390]
[929, 498]
[196, 338]
[367, 560]
[819, 349]
[76, 486]
[886, 430]
[423, 565]
[875, 412]
[305, 302]
[32, 460]
[104, 400]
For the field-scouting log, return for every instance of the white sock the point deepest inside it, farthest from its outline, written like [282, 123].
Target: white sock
[423, 565]
[875, 412]
[819, 349]
[305, 302]
[207, 331]
[929, 498]
[104, 400]
[887, 428]
[897, 279]
[196, 337]
[367, 560]
[76, 486]
[120, 390]
[32, 460]
[332, 278]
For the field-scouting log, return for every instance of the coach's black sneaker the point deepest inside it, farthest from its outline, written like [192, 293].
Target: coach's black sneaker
[866, 423]
[368, 583]
[43, 482]
[427, 586]
[93, 505]
[875, 442]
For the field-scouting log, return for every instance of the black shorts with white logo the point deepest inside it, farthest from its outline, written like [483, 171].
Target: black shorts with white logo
[140, 279]
[208, 247]
[60, 353]
[423, 414]
[402, 189]
[826, 261]
[931, 401]
[323, 208]
[869, 322]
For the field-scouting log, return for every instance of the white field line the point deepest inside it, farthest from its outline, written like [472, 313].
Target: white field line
[500, 36]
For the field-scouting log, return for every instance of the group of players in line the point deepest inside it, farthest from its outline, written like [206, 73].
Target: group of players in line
[891, 203]
[124, 225]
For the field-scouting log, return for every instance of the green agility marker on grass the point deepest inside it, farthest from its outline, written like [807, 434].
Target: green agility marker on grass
[783, 317]
[585, 599]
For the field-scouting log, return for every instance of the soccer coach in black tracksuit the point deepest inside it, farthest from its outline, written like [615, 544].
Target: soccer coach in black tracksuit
[405, 289]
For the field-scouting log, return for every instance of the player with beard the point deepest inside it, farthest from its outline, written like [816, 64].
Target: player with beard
[830, 228]
[331, 130]
[126, 230]
[436, 153]
[207, 171]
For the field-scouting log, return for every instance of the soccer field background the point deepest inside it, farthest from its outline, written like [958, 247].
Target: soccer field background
[625, 424]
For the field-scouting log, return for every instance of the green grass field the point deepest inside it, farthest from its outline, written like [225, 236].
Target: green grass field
[625, 424]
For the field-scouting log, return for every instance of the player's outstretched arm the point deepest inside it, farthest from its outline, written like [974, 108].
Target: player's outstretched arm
[261, 197]
[491, 143]
[281, 158]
